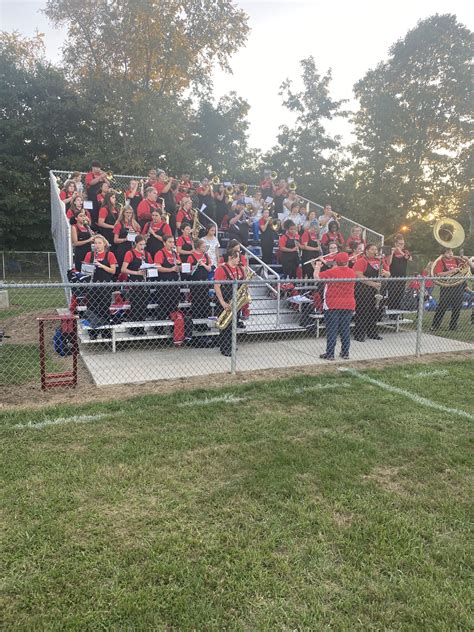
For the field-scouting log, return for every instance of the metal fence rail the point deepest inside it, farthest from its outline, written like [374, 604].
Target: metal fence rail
[29, 265]
[136, 332]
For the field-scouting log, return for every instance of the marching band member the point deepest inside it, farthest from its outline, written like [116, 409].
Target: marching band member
[371, 268]
[266, 185]
[289, 250]
[330, 257]
[77, 204]
[332, 234]
[67, 193]
[227, 271]
[220, 201]
[155, 232]
[355, 239]
[94, 179]
[146, 206]
[185, 246]
[310, 221]
[201, 269]
[125, 226]
[290, 200]
[339, 305]
[185, 214]
[310, 247]
[134, 194]
[212, 244]
[267, 236]
[99, 298]
[205, 196]
[280, 193]
[168, 264]
[76, 177]
[398, 262]
[325, 218]
[239, 224]
[82, 237]
[449, 297]
[235, 246]
[104, 189]
[108, 215]
[139, 296]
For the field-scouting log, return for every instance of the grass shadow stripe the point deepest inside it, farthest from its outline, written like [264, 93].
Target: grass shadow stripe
[225, 399]
[60, 421]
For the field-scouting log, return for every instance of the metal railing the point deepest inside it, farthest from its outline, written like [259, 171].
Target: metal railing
[60, 228]
[29, 265]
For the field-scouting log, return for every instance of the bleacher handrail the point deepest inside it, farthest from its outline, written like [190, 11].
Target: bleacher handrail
[60, 229]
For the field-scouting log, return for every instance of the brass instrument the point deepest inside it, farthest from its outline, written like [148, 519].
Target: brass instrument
[243, 297]
[273, 175]
[197, 226]
[292, 186]
[450, 234]
[229, 189]
[216, 180]
[243, 188]
[110, 176]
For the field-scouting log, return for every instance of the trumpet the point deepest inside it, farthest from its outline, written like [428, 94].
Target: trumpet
[243, 188]
[273, 175]
[216, 180]
[229, 189]
[292, 186]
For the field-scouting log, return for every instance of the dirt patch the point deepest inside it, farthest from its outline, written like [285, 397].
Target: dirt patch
[23, 329]
[30, 396]
[387, 478]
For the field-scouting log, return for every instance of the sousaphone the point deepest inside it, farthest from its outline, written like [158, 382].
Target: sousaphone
[450, 234]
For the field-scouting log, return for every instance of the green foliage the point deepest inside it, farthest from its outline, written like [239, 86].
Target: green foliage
[413, 127]
[306, 150]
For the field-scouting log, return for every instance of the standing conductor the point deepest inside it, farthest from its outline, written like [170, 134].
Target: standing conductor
[339, 304]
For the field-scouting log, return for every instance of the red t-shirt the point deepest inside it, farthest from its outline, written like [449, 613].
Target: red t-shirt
[118, 227]
[63, 195]
[70, 215]
[232, 273]
[284, 238]
[182, 241]
[165, 254]
[337, 237]
[184, 216]
[145, 208]
[130, 255]
[339, 295]
[89, 177]
[449, 264]
[242, 261]
[159, 186]
[104, 212]
[100, 256]
[361, 264]
[180, 195]
[309, 235]
[157, 227]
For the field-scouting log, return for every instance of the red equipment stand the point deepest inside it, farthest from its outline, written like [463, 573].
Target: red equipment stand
[68, 379]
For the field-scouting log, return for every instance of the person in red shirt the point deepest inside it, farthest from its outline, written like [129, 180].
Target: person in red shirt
[201, 269]
[371, 267]
[108, 215]
[146, 206]
[339, 304]
[104, 189]
[185, 246]
[94, 179]
[99, 298]
[311, 248]
[81, 236]
[67, 193]
[77, 204]
[162, 184]
[355, 239]
[134, 194]
[332, 234]
[168, 264]
[138, 296]
[155, 232]
[267, 236]
[227, 271]
[289, 250]
[126, 228]
[185, 214]
[449, 297]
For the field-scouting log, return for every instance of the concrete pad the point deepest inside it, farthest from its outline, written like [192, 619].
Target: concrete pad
[4, 301]
[136, 366]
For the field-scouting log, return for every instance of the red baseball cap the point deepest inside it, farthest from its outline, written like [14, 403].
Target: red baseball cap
[341, 257]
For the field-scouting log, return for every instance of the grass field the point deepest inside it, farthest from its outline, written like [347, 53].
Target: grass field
[312, 503]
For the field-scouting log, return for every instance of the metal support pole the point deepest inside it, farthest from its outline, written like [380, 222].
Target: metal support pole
[3, 266]
[233, 359]
[419, 321]
[278, 304]
[49, 266]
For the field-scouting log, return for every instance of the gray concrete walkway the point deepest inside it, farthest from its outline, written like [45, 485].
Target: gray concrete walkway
[135, 366]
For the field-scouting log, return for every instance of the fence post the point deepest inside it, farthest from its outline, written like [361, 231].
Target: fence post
[233, 359]
[3, 266]
[419, 320]
[49, 266]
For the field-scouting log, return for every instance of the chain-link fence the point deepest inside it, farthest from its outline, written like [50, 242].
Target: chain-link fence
[26, 265]
[153, 330]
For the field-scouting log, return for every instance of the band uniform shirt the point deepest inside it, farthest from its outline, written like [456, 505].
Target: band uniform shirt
[444, 265]
[339, 295]
[362, 264]
[100, 256]
[145, 208]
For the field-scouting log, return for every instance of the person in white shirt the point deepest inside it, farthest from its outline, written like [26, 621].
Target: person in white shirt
[328, 215]
[212, 244]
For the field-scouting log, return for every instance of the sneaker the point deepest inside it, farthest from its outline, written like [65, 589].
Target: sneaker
[324, 356]
[359, 338]
[376, 337]
[226, 353]
[344, 356]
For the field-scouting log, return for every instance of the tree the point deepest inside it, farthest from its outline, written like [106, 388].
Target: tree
[159, 45]
[414, 127]
[307, 151]
[42, 126]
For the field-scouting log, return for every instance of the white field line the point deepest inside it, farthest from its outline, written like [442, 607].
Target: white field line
[322, 387]
[433, 373]
[423, 401]
[76, 419]
[227, 399]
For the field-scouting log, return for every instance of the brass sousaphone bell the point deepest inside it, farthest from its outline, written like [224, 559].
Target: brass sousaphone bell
[450, 234]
